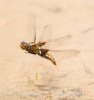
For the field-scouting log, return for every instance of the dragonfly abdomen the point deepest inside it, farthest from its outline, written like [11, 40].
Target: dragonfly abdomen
[45, 53]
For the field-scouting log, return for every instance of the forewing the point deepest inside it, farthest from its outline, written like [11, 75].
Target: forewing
[31, 28]
[55, 43]
[46, 35]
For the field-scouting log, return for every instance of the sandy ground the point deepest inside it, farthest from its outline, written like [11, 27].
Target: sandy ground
[29, 77]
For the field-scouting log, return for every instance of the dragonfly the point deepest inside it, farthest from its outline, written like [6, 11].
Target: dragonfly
[45, 46]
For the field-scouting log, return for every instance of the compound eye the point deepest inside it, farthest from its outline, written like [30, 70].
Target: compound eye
[23, 45]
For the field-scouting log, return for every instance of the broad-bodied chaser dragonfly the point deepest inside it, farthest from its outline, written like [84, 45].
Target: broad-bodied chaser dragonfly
[45, 45]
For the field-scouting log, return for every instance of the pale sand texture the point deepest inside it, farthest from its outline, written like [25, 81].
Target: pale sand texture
[30, 77]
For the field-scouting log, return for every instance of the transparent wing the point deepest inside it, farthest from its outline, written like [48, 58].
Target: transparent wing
[60, 55]
[31, 28]
[66, 53]
[55, 43]
[46, 34]
[49, 42]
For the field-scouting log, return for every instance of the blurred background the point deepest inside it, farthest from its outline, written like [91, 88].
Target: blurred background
[30, 77]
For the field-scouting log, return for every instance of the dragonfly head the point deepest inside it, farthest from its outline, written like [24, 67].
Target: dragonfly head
[24, 45]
